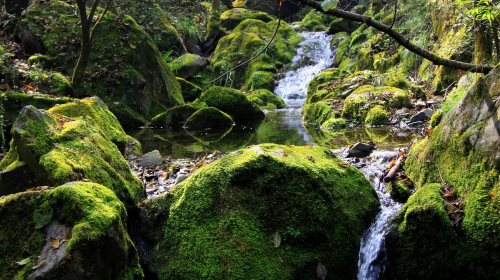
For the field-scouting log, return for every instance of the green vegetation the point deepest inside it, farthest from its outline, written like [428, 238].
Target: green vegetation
[266, 99]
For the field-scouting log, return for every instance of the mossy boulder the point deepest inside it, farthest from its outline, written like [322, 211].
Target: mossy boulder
[246, 40]
[125, 66]
[188, 65]
[361, 100]
[316, 21]
[87, 221]
[190, 91]
[234, 103]
[334, 123]
[342, 25]
[266, 99]
[377, 115]
[323, 79]
[176, 117]
[342, 51]
[463, 151]
[209, 117]
[317, 113]
[74, 141]
[224, 222]
[231, 18]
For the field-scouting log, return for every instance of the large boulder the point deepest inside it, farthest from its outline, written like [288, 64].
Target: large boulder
[75, 231]
[125, 68]
[234, 103]
[266, 212]
[463, 151]
[74, 141]
[266, 99]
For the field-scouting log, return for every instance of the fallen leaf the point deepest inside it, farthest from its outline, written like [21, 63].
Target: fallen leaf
[67, 238]
[4, 86]
[345, 165]
[68, 256]
[23, 262]
[393, 162]
[55, 243]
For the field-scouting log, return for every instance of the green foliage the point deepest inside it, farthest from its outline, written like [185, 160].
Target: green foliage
[43, 215]
[329, 4]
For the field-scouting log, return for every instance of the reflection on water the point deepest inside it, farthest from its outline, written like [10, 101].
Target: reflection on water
[280, 127]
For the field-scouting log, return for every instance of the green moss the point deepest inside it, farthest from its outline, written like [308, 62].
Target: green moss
[458, 93]
[220, 219]
[61, 85]
[96, 218]
[320, 81]
[231, 18]
[377, 115]
[342, 50]
[260, 80]
[365, 59]
[190, 91]
[234, 103]
[342, 25]
[315, 21]
[266, 99]
[436, 118]
[399, 191]
[209, 117]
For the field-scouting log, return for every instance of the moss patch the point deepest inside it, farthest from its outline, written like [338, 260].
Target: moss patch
[209, 117]
[266, 99]
[231, 18]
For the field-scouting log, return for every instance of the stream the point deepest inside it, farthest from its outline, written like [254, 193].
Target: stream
[284, 126]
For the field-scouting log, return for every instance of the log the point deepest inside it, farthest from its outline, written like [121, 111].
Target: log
[392, 173]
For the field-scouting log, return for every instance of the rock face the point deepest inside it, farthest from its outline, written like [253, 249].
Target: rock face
[463, 149]
[74, 141]
[80, 234]
[128, 72]
[361, 150]
[239, 216]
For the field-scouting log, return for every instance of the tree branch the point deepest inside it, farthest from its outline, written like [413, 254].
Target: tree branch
[400, 39]
[395, 13]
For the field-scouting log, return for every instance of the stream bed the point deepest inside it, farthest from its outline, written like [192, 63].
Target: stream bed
[284, 126]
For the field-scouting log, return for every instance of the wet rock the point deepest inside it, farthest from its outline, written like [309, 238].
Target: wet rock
[403, 113]
[361, 149]
[415, 124]
[180, 178]
[150, 159]
[422, 116]
[82, 235]
[16, 178]
[188, 65]
[420, 105]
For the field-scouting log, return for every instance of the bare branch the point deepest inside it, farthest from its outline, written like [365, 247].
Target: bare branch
[400, 39]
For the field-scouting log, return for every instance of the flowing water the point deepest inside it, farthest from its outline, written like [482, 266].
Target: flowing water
[284, 126]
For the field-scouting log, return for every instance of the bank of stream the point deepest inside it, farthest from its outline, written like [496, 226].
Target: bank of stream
[284, 126]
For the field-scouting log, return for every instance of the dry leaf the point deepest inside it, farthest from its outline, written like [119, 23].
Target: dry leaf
[55, 243]
[345, 165]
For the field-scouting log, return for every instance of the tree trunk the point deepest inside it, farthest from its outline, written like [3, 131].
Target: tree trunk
[483, 46]
[81, 65]
[214, 27]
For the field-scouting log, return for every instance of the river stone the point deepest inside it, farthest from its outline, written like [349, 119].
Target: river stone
[361, 149]
[188, 65]
[423, 116]
[180, 178]
[420, 104]
[153, 158]
[243, 198]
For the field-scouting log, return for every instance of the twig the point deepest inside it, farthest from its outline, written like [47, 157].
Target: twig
[395, 11]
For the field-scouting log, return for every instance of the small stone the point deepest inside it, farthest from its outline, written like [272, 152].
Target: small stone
[361, 149]
[150, 159]
[180, 178]
[420, 104]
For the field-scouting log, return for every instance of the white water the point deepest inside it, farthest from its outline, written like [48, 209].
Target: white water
[372, 259]
[313, 56]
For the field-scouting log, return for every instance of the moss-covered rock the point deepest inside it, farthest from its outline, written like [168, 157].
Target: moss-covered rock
[176, 117]
[221, 222]
[322, 79]
[342, 25]
[377, 115]
[334, 123]
[190, 91]
[13, 102]
[246, 40]
[209, 117]
[317, 113]
[342, 51]
[188, 65]
[316, 21]
[234, 103]
[125, 66]
[399, 190]
[231, 18]
[87, 221]
[266, 99]
[361, 100]
[75, 141]
[463, 151]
